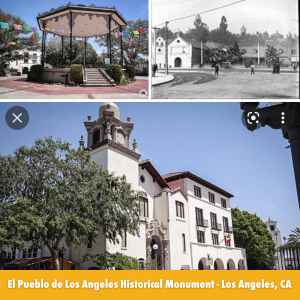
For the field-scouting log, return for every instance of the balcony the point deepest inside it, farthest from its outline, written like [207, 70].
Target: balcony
[228, 229]
[216, 226]
[202, 223]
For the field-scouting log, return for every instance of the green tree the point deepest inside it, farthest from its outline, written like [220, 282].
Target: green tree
[294, 238]
[133, 45]
[200, 32]
[118, 261]
[12, 36]
[54, 194]
[251, 233]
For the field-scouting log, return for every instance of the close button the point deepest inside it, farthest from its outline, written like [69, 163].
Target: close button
[17, 117]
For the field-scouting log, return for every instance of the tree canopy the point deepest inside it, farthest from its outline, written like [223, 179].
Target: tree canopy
[51, 194]
[12, 36]
[294, 238]
[251, 233]
[133, 45]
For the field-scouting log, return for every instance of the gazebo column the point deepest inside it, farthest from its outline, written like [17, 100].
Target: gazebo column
[84, 50]
[122, 65]
[62, 52]
[71, 29]
[43, 58]
[110, 60]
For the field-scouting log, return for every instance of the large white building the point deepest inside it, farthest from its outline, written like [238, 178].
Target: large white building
[187, 217]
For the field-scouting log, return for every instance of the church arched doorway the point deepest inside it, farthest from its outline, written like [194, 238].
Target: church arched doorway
[178, 62]
[218, 264]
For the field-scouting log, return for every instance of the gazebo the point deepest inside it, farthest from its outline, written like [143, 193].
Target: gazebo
[80, 21]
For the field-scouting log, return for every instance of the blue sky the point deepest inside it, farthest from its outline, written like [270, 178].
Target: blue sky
[207, 139]
[28, 10]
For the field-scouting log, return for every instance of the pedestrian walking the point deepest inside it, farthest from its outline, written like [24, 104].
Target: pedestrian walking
[217, 69]
[252, 69]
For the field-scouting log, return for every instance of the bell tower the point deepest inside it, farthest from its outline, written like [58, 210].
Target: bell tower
[110, 141]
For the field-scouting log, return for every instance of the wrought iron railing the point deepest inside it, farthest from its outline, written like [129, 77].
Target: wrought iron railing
[105, 68]
[202, 223]
[228, 229]
[216, 226]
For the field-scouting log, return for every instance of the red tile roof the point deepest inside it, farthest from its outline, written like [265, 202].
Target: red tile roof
[270, 221]
[186, 174]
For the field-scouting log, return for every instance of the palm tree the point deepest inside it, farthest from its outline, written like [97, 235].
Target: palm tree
[294, 238]
[272, 55]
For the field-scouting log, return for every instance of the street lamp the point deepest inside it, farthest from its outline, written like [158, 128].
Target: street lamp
[62, 252]
[285, 116]
[155, 247]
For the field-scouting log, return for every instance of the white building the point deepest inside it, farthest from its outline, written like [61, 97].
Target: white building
[182, 52]
[31, 57]
[276, 235]
[187, 217]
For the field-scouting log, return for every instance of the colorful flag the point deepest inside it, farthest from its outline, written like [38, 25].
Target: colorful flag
[4, 25]
[6, 53]
[39, 38]
[125, 33]
[13, 43]
[62, 31]
[25, 49]
[8, 44]
[34, 29]
[17, 27]
[135, 32]
[34, 39]
[112, 33]
[18, 42]
[29, 40]
[2, 45]
[69, 31]
[58, 30]
[142, 31]
[52, 29]
[116, 34]
[47, 29]
[26, 28]
[129, 32]
[120, 33]
[43, 29]
[24, 41]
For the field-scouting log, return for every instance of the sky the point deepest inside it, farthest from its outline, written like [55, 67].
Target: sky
[255, 15]
[28, 11]
[207, 139]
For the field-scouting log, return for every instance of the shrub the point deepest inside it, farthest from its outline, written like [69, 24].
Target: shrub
[130, 70]
[76, 72]
[116, 72]
[35, 73]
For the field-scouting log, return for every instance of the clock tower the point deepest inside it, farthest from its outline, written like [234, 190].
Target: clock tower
[109, 139]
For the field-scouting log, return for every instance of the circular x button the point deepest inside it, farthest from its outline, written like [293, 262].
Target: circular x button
[17, 117]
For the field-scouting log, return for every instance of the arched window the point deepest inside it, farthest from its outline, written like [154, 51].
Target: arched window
[157, 43]
[96, 137]
[200, 265]
[162, 43]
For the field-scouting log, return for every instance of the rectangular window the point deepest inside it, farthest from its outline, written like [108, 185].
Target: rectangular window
[183, 243]
[144, 207]
[26, 55]
[200, 236]
[34, 58]
[35, 252]
[225, 224]
[199, 217]
[223, 203]
[197, 191]
[293, 51]
[215, 239]
[124, 240]
[24, 254]
[179, 209]
[90, 242]
[213, 221]
[272, 227]
[13, 254]
[211, 197]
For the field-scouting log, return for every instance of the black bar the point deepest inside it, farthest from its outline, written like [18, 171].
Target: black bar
[71, 28]
[122, 64]
[43, 59]
[62, 52]
[109, 19]
[297, 252]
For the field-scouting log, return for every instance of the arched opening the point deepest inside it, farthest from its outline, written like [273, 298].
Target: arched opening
[93, 268]
[218, 264]
[230, 264]
[96, 137]
[158, 256]
[177, 62]
[241, 264]
[202, 264]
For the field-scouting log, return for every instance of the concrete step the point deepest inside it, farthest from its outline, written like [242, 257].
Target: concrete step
[97, 85]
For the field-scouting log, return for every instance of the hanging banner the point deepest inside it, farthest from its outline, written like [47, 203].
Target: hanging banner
[18, 27]
[130, 32]
[26, 28]
[4, 25]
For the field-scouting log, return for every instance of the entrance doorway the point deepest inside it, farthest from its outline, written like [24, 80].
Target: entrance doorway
[177, 62]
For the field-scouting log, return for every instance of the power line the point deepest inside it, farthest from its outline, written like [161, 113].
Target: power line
[171, 2]
[203, 12]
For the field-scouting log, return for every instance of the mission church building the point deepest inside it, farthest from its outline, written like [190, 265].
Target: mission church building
[187, 217]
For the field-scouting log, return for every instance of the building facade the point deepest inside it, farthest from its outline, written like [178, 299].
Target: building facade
[187, 217]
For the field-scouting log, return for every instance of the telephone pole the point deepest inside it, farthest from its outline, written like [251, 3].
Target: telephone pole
[166, 48]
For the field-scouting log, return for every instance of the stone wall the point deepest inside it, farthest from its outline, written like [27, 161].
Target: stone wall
[54, 75]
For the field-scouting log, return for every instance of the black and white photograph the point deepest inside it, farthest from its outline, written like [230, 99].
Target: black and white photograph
[225, 49]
